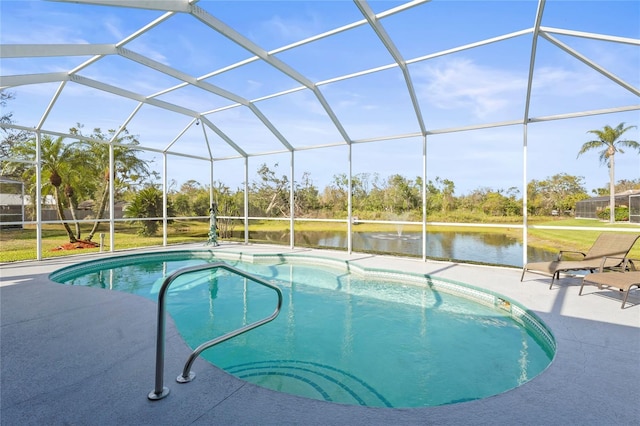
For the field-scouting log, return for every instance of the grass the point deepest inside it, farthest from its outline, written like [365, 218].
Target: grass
[20, 244]
[556, 239]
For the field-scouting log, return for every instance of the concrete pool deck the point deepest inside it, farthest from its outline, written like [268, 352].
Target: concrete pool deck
[86, 356]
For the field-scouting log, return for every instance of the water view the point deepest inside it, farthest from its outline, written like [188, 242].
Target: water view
[497, 249]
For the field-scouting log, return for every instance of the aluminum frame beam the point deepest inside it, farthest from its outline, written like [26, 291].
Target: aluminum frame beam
[397, 56]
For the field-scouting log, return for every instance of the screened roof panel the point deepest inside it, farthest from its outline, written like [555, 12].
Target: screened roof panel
[607, 55]
[254, 80]
[601, 17]
[359, 49]
[247, 130]
[272, 29]
[188, 45]
[384, 6]
[195, 98]
[473, 86]
[373, 105]
[561, 82]
[29, 22]
[118, 71]
[191, 141]
[437, 25]
[157, 127]
[78, 104]
[212, 142]
[301, 119]
[39, 65]
[253, 51]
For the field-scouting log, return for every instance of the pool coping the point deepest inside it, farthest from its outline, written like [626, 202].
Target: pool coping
[103, 355]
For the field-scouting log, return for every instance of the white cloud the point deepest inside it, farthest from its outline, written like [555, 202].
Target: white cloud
[147, 50]
[463, 84]
[254, 85]
[290, 29]
[112, 25]
[559, 82]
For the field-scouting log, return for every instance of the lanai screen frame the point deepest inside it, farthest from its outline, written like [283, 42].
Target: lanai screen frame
[371, 19]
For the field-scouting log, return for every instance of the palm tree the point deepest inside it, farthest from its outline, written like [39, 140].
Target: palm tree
[128, 167]
[608, 140]
[57, 166]
[147, 203]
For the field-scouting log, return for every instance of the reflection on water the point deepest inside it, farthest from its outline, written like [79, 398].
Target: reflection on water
[490, 248]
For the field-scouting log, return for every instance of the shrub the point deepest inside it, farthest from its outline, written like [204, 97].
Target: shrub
[621, 214]
[147, 203]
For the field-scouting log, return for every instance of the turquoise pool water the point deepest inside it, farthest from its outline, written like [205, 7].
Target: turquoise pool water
[342, 337]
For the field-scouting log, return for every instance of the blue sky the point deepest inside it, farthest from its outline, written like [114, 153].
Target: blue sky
[472, 87]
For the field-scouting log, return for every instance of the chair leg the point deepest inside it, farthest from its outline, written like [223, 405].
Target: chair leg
[626, 294]
[523, 271]
[553, 277]
[581, 287]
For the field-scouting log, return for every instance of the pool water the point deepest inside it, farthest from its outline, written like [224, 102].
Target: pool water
[339, 337]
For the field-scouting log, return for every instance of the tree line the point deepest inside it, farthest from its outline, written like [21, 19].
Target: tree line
[375, 197]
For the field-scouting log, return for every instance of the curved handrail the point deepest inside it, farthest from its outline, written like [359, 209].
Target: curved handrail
[160, 391]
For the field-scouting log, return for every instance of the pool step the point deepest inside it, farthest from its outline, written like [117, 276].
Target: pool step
[310, 379]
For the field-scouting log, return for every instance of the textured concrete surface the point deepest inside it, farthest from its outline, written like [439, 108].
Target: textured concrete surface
[85, 356]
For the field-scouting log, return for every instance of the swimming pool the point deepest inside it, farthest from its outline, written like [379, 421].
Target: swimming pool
[345, 334]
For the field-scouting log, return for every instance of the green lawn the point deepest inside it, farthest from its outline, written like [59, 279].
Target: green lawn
[20, 244]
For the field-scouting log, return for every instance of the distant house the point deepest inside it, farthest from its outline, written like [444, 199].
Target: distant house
[15, 206]
[12, 202]
[11, 210]
[589, 208]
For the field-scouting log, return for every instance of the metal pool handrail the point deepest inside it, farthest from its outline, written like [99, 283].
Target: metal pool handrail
[160, 391]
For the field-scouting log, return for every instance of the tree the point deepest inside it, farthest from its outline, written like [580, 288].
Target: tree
[58, 165]
[129, 169]
[270, 194]
[145, 208]
[11, 137]
[402, 195]
[558, 192]
[448, 189]
[305, 196]
[229, 205]
[621, 186]
[608, 141]
[440, 198]
[186, 200]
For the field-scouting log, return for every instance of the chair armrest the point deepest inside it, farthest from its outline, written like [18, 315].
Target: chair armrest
[561, 252]
[629, 264]
[625, 263]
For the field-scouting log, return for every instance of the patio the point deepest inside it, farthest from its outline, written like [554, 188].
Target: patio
[77, 355]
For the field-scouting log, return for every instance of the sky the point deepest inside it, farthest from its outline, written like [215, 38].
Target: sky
[471, 87]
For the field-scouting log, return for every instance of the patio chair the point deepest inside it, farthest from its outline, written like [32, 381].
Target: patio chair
[623, 280]
[608, 245]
